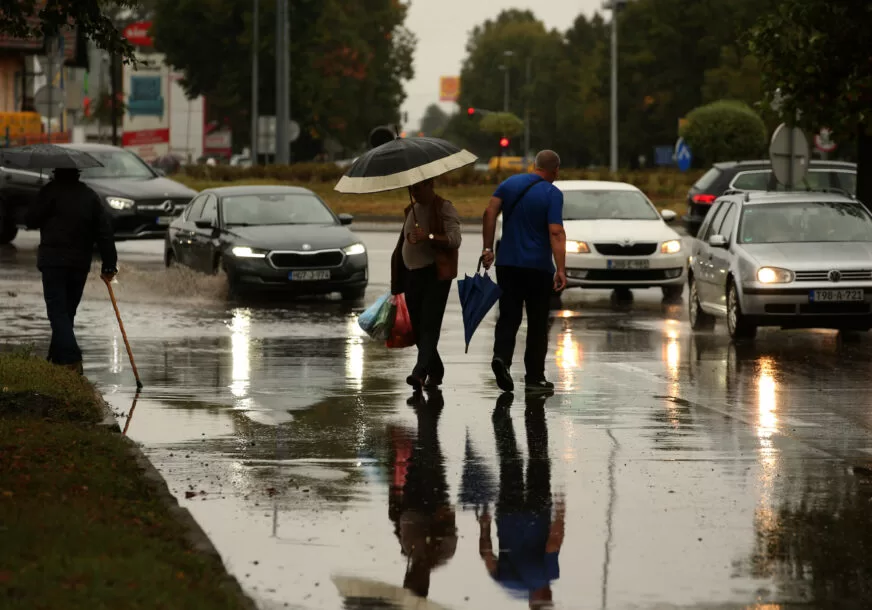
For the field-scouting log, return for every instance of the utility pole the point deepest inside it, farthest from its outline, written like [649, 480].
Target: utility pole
[507, 55]
[283, 90]
[527, 114]
[113, 86]
[614, 87]
[255, 51]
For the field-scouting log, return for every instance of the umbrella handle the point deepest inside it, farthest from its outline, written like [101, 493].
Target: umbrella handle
[480, 261]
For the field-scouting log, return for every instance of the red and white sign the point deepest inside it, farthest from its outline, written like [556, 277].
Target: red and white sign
[137, 34]
[219, 141]
[145, 137]
[822, 141]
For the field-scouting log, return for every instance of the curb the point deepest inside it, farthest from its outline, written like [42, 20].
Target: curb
[195, 537]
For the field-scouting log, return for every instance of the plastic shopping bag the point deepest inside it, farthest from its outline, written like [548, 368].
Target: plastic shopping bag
[378, 318]
[401, 334]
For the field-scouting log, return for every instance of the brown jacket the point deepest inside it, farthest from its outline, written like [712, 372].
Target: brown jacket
[446, 257]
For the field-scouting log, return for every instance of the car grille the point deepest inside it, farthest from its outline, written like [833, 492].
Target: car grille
[643, 249]
[631, 275]
[307, 260]
[156, 206]
[849, 275]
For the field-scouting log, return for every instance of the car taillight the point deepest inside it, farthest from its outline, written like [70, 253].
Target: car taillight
[705, 199]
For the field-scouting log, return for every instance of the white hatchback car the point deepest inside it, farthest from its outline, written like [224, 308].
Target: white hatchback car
[617, 240]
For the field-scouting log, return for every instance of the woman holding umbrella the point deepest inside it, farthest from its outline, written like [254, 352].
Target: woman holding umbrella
[425, 258]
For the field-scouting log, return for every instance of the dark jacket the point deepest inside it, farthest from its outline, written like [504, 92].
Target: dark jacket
[446, 258]
[71, 219]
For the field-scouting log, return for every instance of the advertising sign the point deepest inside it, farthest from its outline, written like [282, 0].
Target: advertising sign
[146, 121]
[137, 34]
[449, 88]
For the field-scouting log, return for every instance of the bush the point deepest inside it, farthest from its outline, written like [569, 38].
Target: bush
[724, 131]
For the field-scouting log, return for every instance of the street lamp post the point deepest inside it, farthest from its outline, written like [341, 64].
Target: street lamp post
[506, 54]
[255, 50]
[283, 91]
[527, 113]
[614, 88]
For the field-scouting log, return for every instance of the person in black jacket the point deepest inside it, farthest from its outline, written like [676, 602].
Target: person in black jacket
[71, 219]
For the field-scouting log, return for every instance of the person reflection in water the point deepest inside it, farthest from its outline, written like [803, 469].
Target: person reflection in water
[529, 539]
[419, 504]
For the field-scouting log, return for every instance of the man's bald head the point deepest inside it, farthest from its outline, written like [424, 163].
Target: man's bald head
[547, 164]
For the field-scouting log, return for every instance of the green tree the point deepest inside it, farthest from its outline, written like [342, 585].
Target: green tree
[26, 18]
[724, 131]
[434, 121]
[810, 50]
[502, 124]
[348, 63]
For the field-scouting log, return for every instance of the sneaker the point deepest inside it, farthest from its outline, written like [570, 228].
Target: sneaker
[541, 386]
[501, 372]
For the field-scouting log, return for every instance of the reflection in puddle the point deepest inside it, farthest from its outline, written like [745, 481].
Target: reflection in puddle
[240, 346]
[766, 519]
[569, 357]
[354, 355]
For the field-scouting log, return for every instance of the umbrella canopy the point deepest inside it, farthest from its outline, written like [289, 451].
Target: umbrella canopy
[362, 593]
[402, 163]
[477, 485]
[47, 156]
[478, 294]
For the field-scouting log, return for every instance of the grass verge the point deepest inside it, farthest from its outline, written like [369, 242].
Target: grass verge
[81, 528]
[470, 200]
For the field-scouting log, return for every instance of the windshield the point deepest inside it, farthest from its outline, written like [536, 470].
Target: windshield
[117, 164]
[706, 180]
[276, 209]
[805, 222]
[607, 205]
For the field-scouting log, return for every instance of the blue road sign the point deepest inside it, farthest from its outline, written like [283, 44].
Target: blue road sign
[682, 155]
[664, 155]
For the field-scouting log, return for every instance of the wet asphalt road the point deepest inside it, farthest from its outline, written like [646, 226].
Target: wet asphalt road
[669, 471]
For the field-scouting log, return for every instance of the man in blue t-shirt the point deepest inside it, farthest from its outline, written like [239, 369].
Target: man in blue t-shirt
[533, 240]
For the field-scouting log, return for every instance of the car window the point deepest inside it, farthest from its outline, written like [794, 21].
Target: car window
[196, 209]
[117, 164]
[259, 209]
[814, 180]
[805, 222]
[607, 205]
[704, 227]
[195, 202]
[729, 222]
[717, 219]
[707, 180]
[847, 182]
[752, 181]
[210, 210]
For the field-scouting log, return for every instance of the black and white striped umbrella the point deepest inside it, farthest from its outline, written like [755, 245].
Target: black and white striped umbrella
[401, 163]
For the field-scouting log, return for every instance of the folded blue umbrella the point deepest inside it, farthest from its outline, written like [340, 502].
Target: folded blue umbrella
[478, 294]
[477, 485]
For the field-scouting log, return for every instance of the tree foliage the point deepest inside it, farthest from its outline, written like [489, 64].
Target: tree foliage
[348, 63]
[29, 18]
[725, 131]
[434, 121]
[502, 124]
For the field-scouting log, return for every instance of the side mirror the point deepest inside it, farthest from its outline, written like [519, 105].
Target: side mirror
[718, 241]
[160, 171]
[346, 219]
[668, 215]
[205, 224]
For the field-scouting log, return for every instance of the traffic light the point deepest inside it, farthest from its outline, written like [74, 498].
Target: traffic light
[504, 143]
[470, 111]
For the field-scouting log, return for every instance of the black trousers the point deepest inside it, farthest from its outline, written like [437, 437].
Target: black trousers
[62, 289]
[531, 288]
[426, 298]
[515, 496]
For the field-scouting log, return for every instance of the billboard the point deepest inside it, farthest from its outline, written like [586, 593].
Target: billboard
[449, 88]
[146, 122]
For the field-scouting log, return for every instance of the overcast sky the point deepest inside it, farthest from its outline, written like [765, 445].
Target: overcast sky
[442, 28]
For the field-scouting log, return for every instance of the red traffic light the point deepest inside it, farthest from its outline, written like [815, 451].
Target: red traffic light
[470, 111]
[504, 142]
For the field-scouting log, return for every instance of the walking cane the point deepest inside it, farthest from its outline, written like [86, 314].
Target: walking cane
[123, 333]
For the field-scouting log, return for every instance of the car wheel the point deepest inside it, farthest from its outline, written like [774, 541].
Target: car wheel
[699, 319]
[170, 259]
[672, 293]
[737, 324]
[8, 228]
[355, 294]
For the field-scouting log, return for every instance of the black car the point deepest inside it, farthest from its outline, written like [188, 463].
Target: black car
[269, 238]
[140, 200]
[757, 176]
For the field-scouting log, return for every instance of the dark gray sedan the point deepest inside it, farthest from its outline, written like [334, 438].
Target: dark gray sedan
[269, 238]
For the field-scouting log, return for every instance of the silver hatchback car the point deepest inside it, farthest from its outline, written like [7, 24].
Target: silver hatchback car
[793, 260]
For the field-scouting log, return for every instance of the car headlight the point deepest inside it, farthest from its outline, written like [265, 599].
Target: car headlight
[355, 249]
[774, 275]
[577, 247]
[119, 203]
[246, 252]
[672, 246]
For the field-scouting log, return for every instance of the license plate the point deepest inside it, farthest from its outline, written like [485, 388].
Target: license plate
[164, 220]
[643, 263]
[836, 296]
[308, 276]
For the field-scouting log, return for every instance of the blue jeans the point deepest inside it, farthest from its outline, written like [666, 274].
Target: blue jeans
[62, 288]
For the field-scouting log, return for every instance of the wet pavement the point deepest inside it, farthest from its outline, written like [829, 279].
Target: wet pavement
[668, 471]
